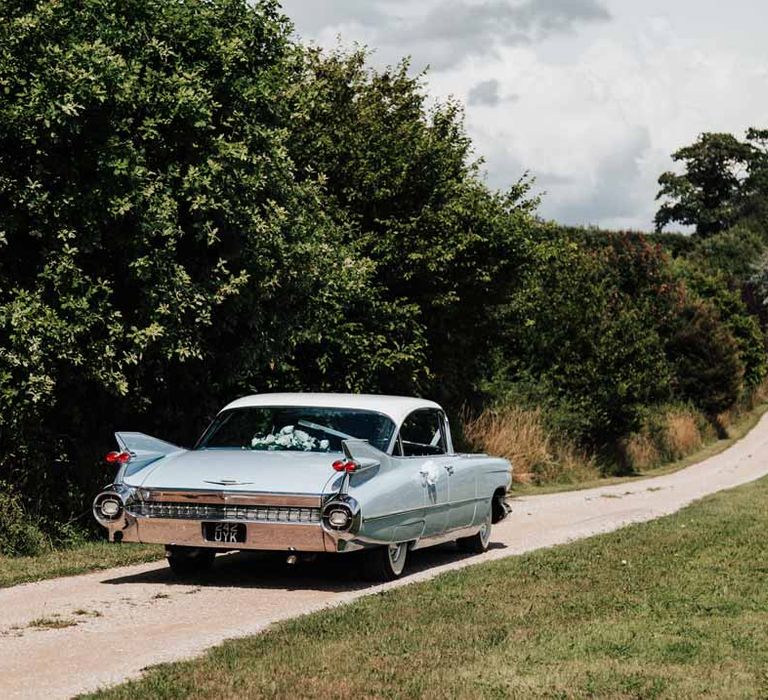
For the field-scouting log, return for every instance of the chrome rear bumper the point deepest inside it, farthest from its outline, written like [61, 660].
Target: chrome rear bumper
[272, 521]
[189, 533]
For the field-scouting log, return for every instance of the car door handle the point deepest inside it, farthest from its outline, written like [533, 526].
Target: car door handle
[448, 468]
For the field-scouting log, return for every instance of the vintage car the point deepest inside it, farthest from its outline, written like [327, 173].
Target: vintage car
[306, 473]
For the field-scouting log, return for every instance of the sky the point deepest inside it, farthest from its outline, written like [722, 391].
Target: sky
[590, 97]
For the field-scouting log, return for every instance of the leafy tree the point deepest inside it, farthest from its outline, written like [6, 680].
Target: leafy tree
[713, 288]
[755, 189]
[724, 181]
[581, 344]
[708, 194]
[403, 176]
[158, 253]
[705, 356]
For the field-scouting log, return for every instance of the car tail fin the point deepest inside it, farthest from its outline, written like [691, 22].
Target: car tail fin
[143, 449]
[139, 442]
[362, 452]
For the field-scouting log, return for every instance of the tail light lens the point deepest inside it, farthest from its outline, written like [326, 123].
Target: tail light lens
[339, 518]
[117, 457]
[345, 465]
[107, 507]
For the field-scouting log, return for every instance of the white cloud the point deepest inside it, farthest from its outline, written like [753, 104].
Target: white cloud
[592, 106]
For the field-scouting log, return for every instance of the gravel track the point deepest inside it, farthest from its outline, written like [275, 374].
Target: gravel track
[128, 618]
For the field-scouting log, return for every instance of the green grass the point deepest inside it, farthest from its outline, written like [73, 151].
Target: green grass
[673, 608]
[92, 556]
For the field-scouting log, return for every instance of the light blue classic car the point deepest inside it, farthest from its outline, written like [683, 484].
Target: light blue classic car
[301, 473]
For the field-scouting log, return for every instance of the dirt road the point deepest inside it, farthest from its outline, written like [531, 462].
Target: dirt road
[132, 617]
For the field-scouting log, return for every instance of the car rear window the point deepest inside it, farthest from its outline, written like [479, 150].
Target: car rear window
[296, 428]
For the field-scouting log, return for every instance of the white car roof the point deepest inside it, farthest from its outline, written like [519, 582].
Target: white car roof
[396, 407]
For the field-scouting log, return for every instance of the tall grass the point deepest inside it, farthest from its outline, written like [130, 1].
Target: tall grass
[521, 436]
[667, 434]
[684, 433]
[540, 455]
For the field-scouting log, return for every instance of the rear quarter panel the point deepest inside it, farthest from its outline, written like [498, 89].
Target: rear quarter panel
[493, 473]
[391, 499]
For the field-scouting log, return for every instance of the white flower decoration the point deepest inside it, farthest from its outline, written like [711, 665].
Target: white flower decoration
[288, 438]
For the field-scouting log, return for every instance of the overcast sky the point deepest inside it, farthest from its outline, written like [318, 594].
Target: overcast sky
[590, 96]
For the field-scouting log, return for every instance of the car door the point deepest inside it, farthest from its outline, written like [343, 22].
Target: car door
[422, 439]
[463, 486]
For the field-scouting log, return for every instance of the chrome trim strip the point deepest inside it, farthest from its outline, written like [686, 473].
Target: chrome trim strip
[430, 506]
[234, 498]
[447, 536]
[175, 510]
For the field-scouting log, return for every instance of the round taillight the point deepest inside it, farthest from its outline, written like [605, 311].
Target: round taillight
[344, 465]
[117, 457]
[339, 518]
[107, 507]
[110, 507]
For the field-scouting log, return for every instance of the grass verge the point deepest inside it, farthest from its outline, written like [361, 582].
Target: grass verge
[92, 556]
[673, 608]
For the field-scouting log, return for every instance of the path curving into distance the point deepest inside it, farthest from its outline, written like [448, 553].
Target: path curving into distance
[139, 615]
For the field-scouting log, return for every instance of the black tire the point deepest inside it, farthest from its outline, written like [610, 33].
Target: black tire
[386, 563]
[478, 543]
[189, 561]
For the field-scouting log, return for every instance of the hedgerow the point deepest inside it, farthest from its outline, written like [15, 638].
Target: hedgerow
[194, 206]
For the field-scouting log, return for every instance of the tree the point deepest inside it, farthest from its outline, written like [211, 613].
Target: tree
[710, 285]
[705, 356]
[159, 255]
[403, 177]
[583, 336]
[709, 193]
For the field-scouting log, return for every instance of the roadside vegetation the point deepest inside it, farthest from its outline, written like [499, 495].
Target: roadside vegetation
[672, 608]
[668, 437]
[194, 206]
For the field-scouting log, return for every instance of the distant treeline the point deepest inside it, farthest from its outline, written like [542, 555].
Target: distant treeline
[194, 206]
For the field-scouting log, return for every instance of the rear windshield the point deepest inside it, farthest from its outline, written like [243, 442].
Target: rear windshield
[296, 428]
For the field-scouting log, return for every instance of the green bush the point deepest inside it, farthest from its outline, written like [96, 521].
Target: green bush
[583, 337]
[19, 535]
[402, 174]
[724, 294]
[732, 252]
[705, 356]
[159, 253]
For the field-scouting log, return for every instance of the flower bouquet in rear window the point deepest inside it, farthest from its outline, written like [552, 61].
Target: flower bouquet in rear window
[288, 438]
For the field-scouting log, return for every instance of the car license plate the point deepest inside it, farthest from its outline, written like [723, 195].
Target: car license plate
[226, 533]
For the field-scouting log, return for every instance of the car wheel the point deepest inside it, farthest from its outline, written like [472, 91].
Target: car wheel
[188, 561]
[477, 544]
[386, 563]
